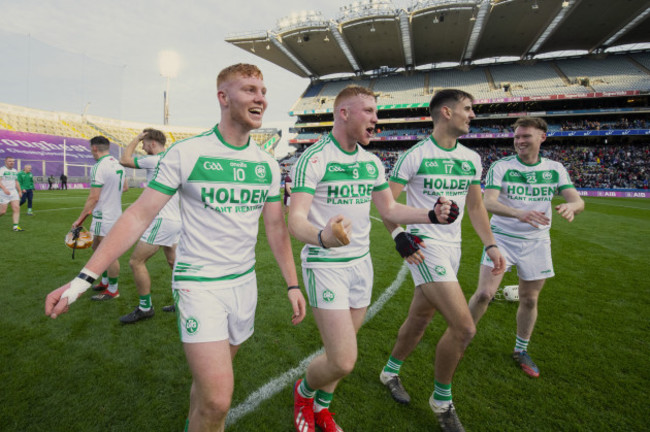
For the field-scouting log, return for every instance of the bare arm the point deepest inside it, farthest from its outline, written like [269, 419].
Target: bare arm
[278, 238]
[574, 204]
[126, 231]
[91, 201]
[395, 189]
[481, 223]
[127, 158]
[532, 217]
[398, 213]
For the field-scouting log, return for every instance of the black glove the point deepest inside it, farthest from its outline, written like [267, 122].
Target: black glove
[451, 218]
[407, 244]
[453, 212]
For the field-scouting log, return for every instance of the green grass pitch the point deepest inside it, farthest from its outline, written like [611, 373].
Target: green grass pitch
[87, 372]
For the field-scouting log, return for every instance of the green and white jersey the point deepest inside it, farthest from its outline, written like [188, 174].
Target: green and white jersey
[26, 180]
[9, 177]
[172, 210]
[529, 187]
[108, 174]
[222, 191]
[341, 183]
[431, 171]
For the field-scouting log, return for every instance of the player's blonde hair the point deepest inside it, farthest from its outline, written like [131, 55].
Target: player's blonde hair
[352, 91]
[239, 69]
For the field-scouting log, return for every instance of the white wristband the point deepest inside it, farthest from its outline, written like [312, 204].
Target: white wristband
[90, 273]
[397, 231]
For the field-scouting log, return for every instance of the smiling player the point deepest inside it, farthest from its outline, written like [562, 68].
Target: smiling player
[440, 166]
[214, 282]
[518, 192]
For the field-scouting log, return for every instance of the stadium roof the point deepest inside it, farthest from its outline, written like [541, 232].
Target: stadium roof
[372, 35]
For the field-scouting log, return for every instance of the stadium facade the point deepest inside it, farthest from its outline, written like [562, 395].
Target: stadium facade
[567, 61]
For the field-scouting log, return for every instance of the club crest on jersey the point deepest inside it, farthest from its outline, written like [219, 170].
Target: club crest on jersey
[371, 169]
[260, 171]
[547, 175]
[465, 166]
[328, 295]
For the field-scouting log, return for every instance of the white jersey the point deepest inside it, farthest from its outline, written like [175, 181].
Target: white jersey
[529, 187]
[108, 174]
[222, 191]
[431, 171]
[171, 211]
[341, 183]
[9, 178]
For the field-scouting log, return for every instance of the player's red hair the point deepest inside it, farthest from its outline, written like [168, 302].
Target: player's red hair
[239, 69]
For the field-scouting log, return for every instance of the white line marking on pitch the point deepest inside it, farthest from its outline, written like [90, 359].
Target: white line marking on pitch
[72, 208]
[289, 377]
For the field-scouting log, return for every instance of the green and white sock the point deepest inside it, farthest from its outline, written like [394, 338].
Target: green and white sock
[145, 303]
[322, 400]
[393, 366]
[105, 278]
[305, 391]
[441, 393]
[112, 285]
[521, 344]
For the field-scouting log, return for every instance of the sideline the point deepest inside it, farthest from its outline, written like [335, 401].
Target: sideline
[73, 208]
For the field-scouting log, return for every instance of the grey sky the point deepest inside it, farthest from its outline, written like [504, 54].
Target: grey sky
[58, 55]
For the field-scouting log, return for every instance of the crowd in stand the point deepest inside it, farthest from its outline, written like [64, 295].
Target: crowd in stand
[606, 167]
[592, 123]
[599, 167]
[621, 123]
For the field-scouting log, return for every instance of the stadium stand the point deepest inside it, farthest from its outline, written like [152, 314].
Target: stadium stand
[72, 127]
[24, 119]
[615, 73]
[598, 112]
[474, 81]
[402, 89]
[534, 80]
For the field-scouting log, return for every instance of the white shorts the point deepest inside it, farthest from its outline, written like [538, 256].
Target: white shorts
[531, 257]
[162, 232]
[440, 264]
[101, 227]
[6, 199]
[340, 287]
[206, 314]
